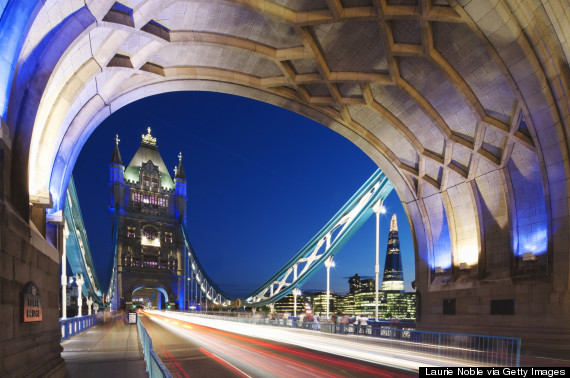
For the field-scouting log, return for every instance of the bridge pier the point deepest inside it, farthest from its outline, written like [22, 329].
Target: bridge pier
[32, 348]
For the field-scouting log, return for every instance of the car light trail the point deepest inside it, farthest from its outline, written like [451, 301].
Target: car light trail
[359, 351]
[379, 354]
[262, 360]
[246, 356]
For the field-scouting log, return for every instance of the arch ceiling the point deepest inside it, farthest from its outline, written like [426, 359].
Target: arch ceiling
[462, 103]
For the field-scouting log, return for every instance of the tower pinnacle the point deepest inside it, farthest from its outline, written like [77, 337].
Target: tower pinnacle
[116, 158]
[393, 224]
[179, 171]
[148, 139]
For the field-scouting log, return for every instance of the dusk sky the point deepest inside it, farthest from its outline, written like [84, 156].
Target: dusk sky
[261, 182]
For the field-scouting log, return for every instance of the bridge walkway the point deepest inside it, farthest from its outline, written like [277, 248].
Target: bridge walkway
[110, 349]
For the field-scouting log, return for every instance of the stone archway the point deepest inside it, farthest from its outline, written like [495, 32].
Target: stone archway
[147, 292]
[463, 105]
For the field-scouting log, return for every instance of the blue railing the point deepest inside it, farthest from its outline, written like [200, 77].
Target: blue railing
[72, 326]
[154, 366]
[455, 347]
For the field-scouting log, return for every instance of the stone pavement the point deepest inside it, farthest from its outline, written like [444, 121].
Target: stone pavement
[107, 350]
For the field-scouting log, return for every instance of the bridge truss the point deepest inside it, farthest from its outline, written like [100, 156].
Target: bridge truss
[77, 247]
[324, 245]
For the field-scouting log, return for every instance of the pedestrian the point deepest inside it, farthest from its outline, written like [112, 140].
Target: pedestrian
[363, 324]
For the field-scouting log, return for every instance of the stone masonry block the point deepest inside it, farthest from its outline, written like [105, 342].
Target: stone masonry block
[11, 244]
[6, 321]
[10, 293]
[7, 267]
[21, 272]
[27, 251]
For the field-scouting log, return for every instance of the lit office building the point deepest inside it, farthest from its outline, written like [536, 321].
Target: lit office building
[320, 302]
[393, 273]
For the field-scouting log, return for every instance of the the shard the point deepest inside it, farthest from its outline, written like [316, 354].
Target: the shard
[393, 280]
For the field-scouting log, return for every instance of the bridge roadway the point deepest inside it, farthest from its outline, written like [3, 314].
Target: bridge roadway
[193, 350]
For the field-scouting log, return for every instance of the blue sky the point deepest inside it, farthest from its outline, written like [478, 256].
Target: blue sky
[261, 182]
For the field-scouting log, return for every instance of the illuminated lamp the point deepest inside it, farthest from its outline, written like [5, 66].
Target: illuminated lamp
[529, 256]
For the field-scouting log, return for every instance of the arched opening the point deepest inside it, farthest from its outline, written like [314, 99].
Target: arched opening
[261, 182]
[152, 297]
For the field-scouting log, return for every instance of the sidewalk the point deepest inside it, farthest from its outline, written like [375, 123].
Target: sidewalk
[106, 350]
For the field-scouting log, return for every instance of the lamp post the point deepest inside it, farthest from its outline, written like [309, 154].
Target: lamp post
[378, 209]
[64, 272]
[328, 264]
[296, 293]
[79, 280]
[89, 303]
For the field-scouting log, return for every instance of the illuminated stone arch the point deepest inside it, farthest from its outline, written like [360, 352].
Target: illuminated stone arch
[463, 104]
[150, 285]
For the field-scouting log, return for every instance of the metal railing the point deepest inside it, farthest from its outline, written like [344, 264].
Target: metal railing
[464, 348]
[72, 326]
[154, 366]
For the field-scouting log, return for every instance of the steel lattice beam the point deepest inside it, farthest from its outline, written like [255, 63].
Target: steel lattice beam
[327, 242]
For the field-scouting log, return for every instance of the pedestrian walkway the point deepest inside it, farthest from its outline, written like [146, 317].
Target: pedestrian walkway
[107, 350]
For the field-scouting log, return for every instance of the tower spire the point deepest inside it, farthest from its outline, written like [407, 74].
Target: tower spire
[116, 158]
[394, 224]
[179, 171]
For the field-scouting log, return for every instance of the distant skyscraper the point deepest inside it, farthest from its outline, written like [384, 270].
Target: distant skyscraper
[393, 274]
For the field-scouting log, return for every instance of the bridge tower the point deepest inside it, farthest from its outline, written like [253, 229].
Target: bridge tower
[150, 245]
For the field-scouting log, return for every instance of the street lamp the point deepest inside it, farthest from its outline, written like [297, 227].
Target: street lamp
[378, 209]
[328, 264]
[296, 293]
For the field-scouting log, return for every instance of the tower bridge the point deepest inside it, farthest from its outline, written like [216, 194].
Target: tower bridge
[462, 104]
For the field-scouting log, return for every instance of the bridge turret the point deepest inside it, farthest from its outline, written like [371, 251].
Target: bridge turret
[116, 177]
[180, 190]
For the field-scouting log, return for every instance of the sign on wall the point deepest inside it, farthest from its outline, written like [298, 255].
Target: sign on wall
[31, 303]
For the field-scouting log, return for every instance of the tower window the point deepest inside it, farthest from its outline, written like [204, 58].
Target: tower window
[150, 237]
[130, 231]
[162, 201]
[172, 263]
[155, 183]
[136, 197]
[168, 237]
[502, 307]
[145, 198]
[449, 306]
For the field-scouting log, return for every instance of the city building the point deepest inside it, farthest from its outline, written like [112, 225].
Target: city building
[320, 302]
[390, 303]
[286, 305]
[150, 245]
[393, 272]
[345, 304]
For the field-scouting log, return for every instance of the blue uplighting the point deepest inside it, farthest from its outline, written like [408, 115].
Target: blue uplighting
[15, 17]
[441, 242]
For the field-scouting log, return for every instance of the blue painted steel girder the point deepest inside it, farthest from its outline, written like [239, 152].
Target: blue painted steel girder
[77, 247]
[338, 231]
[326, 243]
